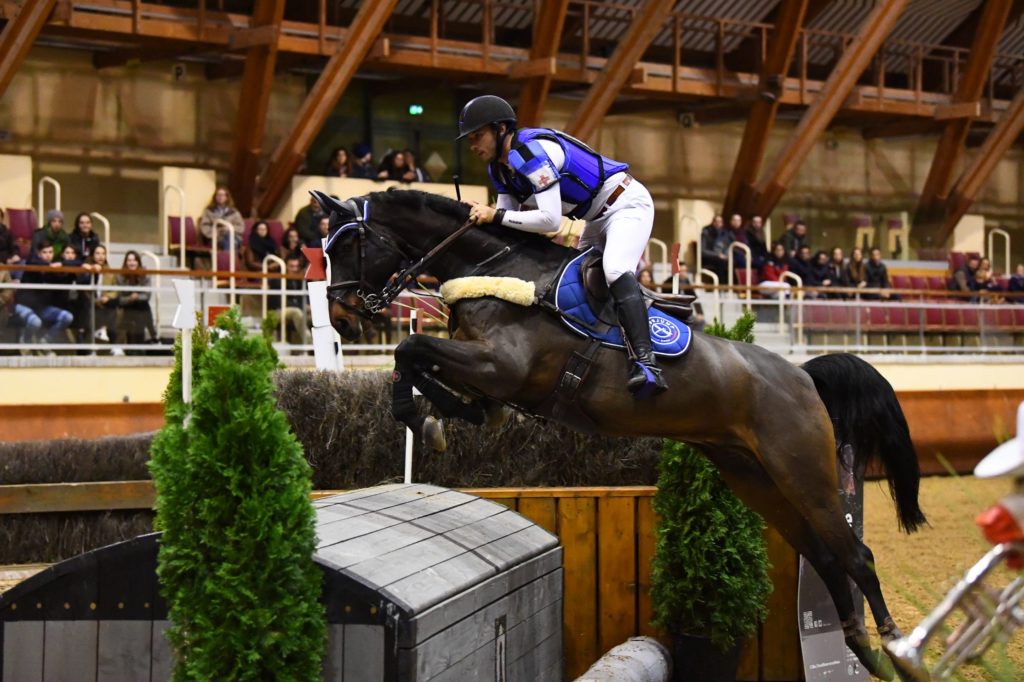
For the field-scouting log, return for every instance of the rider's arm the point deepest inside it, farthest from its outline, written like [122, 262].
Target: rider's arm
[547, 217]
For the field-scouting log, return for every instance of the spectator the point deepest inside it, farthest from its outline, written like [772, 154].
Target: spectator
[772, 270]
[221, 207]
[8, 249]
[819, 265]
[38, 307]
[965, 277]
[362, 164]
[714, 245]
[52, 233]
[291, 244]
[82, 236]
[104, 300]
[416, 172]
[72, 299]
[795, 238]
[757, 242]
[6, 302]
[1017, 283]
[984, 277]
[876, 274]
[296, 310]
[307, 218]
[646, 279]
[323, 228]
[803, 267]
[838, 273]
[394, 167]
[339, 166]
[856, 269]
[686, 287]
[260, 245]
[137, 316]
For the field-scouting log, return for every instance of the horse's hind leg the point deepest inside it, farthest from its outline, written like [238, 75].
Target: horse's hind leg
[751, 483]
[812, 488]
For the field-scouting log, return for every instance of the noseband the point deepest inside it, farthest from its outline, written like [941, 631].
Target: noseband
[372, 302]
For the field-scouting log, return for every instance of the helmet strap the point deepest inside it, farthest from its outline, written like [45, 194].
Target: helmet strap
[500, 136]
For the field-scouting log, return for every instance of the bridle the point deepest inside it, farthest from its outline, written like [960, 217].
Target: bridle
[372, 302]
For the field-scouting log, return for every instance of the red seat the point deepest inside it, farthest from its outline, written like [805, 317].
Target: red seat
[899, 319]
[192, 238]
[969, 319]
[1018, 318]
[918, 282]
[952, 318]
[937, 283]
[841, 316]
[902, 282]
[1004, 318]
[816, 316]
[22, 223]
[933, 320]
[876, 318]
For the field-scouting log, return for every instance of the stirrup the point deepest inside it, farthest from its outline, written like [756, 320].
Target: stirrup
[652, 384]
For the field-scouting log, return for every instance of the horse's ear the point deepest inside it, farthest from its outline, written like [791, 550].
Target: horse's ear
[329, 204]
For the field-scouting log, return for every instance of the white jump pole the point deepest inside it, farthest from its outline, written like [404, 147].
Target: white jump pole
[185, 321]
[409, 435]
[323, 332]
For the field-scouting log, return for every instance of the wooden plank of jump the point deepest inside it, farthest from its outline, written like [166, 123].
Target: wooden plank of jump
[780, 639]
[646, 523]
[617, 587]
[64, 497]
[540, 510]
[577, 530]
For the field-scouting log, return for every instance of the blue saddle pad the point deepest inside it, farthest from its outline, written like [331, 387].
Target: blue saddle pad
[669, 336]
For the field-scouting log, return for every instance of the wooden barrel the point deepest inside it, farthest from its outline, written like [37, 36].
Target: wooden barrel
[420, 583]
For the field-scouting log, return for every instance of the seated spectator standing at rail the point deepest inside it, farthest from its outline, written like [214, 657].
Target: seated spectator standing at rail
[715, 239]
[221, 207]
[756, 242]
[394, 167]
[296, 312]
[104, 300]
[82, 236]
[339, 165]
[291, 244]
[416, 172]
[73, 298]
[307, 219]
[838, 274]
[739, 234]
[819, 265]
[8, 249]
[322, 228]
[38, 307]
[137, 316]
[965, 279]
[1017, 284]
[856, 269]
[803, 267]
[877, 274]
[794, 238]
[260, 245]
[362, 163]
[52, 233]
[776, 265]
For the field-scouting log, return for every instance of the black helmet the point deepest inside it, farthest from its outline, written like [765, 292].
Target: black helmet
[482, 111]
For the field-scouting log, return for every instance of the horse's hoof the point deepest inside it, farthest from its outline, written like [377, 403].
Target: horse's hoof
[889, 632]
[497, 415]
[432, 434]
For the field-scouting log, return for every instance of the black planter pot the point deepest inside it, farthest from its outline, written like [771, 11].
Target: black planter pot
[696, 659]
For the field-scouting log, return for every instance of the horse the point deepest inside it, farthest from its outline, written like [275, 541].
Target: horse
[770, 428]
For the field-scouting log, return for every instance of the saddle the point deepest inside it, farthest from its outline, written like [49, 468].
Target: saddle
[601, 303]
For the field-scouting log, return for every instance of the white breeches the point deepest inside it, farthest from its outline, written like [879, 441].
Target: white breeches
[621, 234]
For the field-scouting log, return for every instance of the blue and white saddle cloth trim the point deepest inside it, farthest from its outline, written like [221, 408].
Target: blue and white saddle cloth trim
[669, 336]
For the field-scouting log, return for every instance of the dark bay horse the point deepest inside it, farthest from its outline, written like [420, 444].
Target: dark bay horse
[771, 428]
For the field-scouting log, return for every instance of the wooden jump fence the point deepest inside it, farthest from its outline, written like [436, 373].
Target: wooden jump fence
[608, 540]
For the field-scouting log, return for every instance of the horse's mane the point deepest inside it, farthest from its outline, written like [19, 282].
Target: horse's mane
[419, 200]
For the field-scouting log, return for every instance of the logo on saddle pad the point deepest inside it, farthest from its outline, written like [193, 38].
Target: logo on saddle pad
[662, 330]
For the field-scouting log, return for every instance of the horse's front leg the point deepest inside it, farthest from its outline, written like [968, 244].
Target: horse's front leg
[421, 361]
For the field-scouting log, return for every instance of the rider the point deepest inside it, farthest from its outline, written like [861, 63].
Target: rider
[525, 163]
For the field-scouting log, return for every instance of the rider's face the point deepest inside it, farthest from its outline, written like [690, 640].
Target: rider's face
[484, 143]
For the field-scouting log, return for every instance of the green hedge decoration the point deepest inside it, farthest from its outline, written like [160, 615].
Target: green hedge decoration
[235, 561]
[710, 569]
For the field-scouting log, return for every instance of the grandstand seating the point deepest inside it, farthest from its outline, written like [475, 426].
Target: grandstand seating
[193, 242]
[22, 222]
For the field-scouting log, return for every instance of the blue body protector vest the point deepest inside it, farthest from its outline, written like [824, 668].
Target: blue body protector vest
[579, 180]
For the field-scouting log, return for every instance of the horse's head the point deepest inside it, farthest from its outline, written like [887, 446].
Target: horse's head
[362, 257]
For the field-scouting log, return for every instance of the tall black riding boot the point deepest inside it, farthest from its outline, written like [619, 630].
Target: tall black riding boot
[644, 374]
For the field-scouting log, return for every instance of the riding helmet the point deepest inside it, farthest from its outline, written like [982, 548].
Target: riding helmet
[482, 111]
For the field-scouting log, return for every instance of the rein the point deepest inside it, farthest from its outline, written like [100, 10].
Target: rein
[374, 302]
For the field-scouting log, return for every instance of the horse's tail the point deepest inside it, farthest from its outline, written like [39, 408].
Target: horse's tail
[866, 415]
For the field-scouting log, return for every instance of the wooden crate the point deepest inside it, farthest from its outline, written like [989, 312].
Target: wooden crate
[420, 583]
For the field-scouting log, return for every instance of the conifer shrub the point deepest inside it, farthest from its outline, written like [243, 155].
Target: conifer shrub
[236, 555]
[710, 568]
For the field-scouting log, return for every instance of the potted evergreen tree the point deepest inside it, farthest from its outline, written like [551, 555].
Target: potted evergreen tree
[709, 581]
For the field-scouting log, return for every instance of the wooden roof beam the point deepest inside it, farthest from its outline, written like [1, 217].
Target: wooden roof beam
[854, 61]
[591, 111]
[771, 80]
[969, 90]
[254, 97]
[970, 182]
[321, 100]
[18, 36]
[547, 36]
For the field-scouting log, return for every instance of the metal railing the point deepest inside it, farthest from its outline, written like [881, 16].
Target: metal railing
[106, 227]
[232, 263]
[43, 181]
[165, 224]
[1006, 243]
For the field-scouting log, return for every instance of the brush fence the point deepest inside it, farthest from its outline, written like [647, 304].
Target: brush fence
[420, 583]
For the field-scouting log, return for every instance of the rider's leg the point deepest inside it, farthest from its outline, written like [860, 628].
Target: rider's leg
[626, 236]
